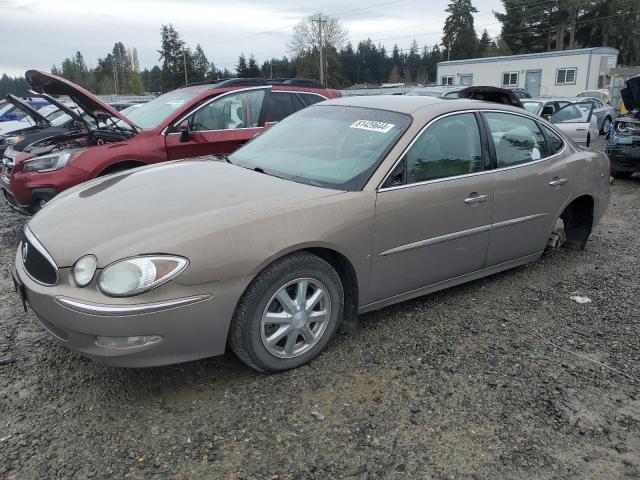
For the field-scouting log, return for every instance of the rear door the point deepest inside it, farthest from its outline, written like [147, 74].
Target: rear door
[219, 126]
[574, 119]
[531, 185]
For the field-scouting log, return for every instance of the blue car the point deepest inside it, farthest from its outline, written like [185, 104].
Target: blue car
[9, 112]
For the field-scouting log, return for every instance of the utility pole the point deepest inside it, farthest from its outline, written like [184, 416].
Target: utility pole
[115, 75]
[321, 47]
[184, 61]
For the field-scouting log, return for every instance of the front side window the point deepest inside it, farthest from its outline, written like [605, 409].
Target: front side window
[565, 76]
[510, 79]
[311, 98]
[573, 113]
[336, 147]
[517, 139]
[447, 80]
[447, 148]
[229, 112]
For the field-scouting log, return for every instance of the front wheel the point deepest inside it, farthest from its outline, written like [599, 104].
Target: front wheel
[605, 126]
[288, 314]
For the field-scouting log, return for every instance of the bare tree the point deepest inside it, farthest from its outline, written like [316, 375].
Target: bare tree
[316, 33]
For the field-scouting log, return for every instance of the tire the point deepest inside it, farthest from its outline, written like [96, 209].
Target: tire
[251, 329]
[619, 174]
[605, 125]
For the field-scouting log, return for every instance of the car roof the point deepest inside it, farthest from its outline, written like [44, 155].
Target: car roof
[417, 106]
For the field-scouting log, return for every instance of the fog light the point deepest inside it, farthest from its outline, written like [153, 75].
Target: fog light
[127, 342]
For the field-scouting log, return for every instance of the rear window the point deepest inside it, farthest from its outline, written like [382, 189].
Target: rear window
[517, 139]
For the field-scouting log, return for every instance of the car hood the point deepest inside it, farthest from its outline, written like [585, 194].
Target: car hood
[631, 94]
[46, 83]
[26, 108]
[170, 208]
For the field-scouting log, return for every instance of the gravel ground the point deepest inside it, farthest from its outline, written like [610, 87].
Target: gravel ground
[494, 379]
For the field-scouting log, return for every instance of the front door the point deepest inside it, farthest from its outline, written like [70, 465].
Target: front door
[219, 126]
[532, 82]
[433, 213]
[531, 186]
[574, 119]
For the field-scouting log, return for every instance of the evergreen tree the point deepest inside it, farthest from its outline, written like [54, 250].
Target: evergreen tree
[252, 68]
[201, 65]
[241, 69]
[459, 34]
[171, 53]
[484, 44]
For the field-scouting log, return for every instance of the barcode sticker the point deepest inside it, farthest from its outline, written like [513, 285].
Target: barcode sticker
[372, 126]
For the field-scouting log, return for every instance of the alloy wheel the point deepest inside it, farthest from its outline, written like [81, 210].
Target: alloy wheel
[295, 318]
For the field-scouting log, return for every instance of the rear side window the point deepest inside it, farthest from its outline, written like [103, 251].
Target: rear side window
[554, 140]
[280, 106]
[447, 148]
[310, 98]
[517, 139]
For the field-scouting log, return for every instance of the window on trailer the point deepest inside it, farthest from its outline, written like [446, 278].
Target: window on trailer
[566, 76]
[510, 79]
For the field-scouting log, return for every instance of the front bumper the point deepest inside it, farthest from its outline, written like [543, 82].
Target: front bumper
[38, 195]
[192, 321]
[624, 153]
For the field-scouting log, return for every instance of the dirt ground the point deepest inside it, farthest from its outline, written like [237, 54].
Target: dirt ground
[504, 377]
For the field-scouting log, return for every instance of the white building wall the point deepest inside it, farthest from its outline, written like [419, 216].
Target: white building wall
[489, 71]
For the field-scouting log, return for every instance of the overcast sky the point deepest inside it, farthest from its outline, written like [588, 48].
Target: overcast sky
[40, 33]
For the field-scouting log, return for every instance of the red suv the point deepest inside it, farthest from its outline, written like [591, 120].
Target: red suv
[193, 121]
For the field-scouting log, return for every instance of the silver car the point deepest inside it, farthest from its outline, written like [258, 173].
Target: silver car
[345, 207]
[572, 115]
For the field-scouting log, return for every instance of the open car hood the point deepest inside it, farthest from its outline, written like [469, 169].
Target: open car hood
[28, 109]
[49, 84]
[492, 94]
[631, 94]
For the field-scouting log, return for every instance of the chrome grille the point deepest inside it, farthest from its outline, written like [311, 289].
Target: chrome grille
[36, 260]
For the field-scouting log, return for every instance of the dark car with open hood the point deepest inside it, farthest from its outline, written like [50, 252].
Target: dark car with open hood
[623, 139]
[194, 121]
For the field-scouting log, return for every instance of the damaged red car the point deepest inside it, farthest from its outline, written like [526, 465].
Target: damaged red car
[193, 121]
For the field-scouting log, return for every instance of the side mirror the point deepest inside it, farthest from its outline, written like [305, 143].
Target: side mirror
[185, 131]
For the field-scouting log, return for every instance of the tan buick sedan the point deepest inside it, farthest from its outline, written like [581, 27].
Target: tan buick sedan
[342, 208]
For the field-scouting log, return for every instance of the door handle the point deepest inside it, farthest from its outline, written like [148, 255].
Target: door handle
[556, 182]
[475, 198]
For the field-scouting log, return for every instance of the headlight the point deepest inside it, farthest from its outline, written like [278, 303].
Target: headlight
[84, 269]
[626, 128]
[51, 162]
[133, 276]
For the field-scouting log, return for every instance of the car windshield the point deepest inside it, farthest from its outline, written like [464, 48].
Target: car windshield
[328, 146]
[533, 107]
[154, 112]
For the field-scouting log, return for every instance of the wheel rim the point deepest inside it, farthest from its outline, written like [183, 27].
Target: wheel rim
[605, 126]
[295, 318]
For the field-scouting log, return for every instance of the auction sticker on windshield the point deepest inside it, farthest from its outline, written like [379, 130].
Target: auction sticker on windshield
[372, 126]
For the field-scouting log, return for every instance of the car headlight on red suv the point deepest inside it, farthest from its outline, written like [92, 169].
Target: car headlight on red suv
[50, 162]
[132, 276]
